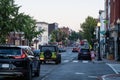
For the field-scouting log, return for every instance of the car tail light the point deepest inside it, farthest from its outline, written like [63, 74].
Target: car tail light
[21, 56]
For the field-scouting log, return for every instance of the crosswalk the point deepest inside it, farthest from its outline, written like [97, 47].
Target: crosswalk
[115, 67]
[75, 61]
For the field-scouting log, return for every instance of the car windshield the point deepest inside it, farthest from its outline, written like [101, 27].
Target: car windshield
[48, 48]
[10, 51]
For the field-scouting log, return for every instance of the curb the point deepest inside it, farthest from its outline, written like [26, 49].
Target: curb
[109, 76]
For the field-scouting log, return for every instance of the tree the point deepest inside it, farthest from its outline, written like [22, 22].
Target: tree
[8, 12]
[74, 36]
[13, 21]
[27, 25]
[58, 35]
[88, 28]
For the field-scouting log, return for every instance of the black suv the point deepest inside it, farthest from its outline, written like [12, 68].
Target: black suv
[84, 54]
[50, 53]
[18, 61]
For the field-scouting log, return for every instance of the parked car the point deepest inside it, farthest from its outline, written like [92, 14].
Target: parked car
[84, 54]
[50, 53]
[18, 61]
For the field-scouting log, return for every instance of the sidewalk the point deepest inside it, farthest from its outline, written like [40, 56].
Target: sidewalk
[115, 66]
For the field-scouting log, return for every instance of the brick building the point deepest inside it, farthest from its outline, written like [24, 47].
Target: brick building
[112, 8]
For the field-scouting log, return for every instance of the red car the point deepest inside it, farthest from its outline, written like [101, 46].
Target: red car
[75, 49]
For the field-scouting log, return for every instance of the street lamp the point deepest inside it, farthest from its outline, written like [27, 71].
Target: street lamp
[118, 23]
[99, 54]
[6, 41]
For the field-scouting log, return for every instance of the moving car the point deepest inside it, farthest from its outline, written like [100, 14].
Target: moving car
[62, 49]
[18, 61]
[84, 54]
[50, 53]
[75, 49]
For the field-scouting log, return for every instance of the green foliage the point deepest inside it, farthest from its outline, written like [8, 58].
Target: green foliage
[8, 12]
[88, 28]
[27, 24]
[58, 35]
[12, 20]
[74, 36]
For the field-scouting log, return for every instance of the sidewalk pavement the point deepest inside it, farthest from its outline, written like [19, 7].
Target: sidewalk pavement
[115, 66]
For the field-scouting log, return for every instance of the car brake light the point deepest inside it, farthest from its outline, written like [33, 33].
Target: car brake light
[21, 56]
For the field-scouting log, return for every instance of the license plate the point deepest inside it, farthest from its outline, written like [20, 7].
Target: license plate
[5, 65]
[84, 52]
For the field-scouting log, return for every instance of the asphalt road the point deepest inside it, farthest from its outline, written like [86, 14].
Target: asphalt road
[77, 70]
[71, 69]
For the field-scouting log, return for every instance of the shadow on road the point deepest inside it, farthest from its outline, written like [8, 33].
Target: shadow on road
[11, 78]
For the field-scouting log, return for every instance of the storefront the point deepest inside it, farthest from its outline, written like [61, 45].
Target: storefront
[111, 49]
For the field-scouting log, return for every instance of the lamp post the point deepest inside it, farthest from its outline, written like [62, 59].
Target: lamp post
[99, 54]
[6, 41]
[118, 39]
[94, 41]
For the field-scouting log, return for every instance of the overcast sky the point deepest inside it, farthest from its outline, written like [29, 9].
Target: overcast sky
[68, 13]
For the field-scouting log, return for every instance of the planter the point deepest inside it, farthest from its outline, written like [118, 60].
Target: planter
[110, 56]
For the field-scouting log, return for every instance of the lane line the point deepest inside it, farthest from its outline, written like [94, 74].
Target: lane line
[92, 76]
[112, 68]
[75, 61]
[85, 61]
[66, 61]
[79, 73]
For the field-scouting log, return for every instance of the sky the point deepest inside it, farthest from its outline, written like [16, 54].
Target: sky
[68, 13]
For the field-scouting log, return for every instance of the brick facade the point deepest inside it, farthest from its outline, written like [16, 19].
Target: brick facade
[115, 11]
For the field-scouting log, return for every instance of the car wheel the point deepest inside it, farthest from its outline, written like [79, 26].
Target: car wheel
[44, 62]
[79, 58]
[28, 75]
[37, 73]
[58, 60]
[41, 61]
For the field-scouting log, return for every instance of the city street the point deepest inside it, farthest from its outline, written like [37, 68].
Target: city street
[73, 69]
[60, 40]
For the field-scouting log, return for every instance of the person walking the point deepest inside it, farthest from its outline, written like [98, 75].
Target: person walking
[92, 53]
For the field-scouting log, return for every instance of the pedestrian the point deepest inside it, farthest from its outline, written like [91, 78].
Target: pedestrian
[92, 53]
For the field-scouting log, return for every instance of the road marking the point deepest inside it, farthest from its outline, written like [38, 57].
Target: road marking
[79, 73]
[84, 61]
[110, 65]
[66, 61]
[92, 76]
[75, 61]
